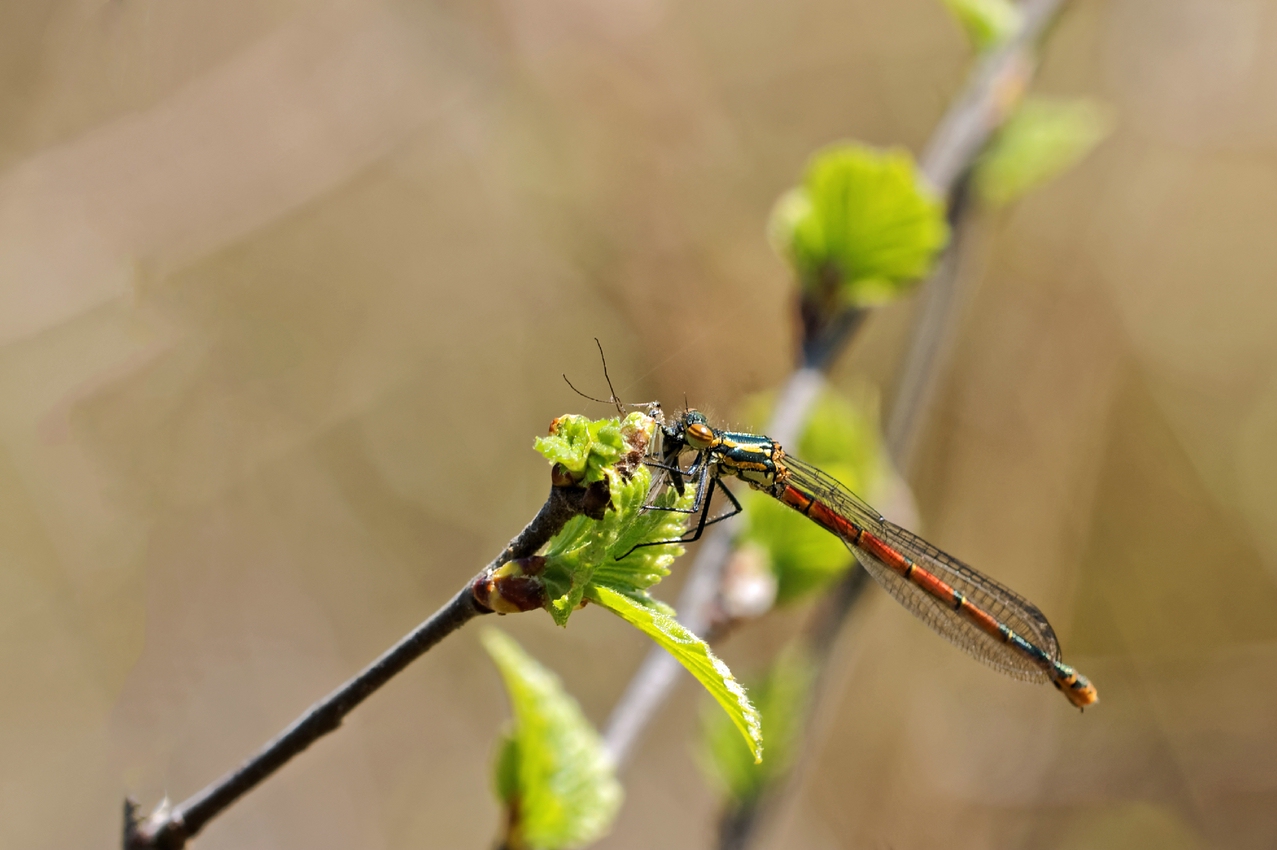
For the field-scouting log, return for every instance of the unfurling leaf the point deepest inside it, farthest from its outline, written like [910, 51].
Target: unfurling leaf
[1044, 138]
[612, 451]
[552, 771]
[587, 551]
[583, 446]
[861, 227]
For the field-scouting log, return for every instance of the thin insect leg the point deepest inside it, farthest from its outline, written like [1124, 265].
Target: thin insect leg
[656, 464]
[700, 471]
[704, 498]
[620, 409]
[713, 482]
[612, 398]
[731, 497]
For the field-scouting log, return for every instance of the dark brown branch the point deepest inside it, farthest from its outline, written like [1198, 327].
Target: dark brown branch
[170, 827]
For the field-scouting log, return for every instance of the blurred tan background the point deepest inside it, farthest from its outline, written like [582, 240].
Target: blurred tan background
[286, 289]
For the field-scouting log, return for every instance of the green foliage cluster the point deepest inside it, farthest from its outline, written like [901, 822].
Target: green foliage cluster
[552, 770]
[782, 696]
[842, 439]
[602, 551]
[588, 447]
[863, 225]
[595, 560]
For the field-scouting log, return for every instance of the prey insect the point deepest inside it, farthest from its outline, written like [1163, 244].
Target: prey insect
[982, 617]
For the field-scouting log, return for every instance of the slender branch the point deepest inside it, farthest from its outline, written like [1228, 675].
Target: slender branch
[741, 822]
[931, 344]
[170, 827]
[992, 89]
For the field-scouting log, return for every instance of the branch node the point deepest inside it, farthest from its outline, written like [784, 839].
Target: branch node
[163, 829]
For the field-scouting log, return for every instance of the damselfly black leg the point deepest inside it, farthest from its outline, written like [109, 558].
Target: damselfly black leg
[715, 482]
[698, 470]
[705, 487]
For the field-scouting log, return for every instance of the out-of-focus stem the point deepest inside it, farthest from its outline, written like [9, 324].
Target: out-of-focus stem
[992, 90]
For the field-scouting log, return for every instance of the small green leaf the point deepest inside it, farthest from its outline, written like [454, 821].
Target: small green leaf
[585, 447]
[690, 651]
[842, 431]
[552, 769]
[1041, 140]
[987, 23]
[863, 225]
[842, 439]
[782, 696]
[587, 550]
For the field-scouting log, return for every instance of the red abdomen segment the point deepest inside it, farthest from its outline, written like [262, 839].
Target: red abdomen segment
[820, 514]
[876, 554]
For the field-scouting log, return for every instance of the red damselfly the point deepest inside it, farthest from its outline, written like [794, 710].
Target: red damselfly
[984, 618]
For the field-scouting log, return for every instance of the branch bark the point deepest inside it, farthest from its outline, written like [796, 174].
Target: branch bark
[169, 827]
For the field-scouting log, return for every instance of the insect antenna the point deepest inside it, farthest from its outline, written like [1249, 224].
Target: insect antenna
[620, 408]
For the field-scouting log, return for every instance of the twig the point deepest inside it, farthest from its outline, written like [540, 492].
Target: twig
[991, 91]
[170, 827]
[957, 142]
[925, 363]
[742, 822]
[932, 340]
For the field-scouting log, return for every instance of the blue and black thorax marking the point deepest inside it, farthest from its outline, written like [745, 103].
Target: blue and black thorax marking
[749, 457]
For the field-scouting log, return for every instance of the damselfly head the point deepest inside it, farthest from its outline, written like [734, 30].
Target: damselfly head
[697, 432]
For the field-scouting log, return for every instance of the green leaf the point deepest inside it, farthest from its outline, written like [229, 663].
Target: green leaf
[693, 653]
[863, 225]
[842, 431]
[588, 551]
[505, 770]
[596, 560]
[842, 439]
[987, 23]
[782, 696]
[583, 446]
[552, 769]
[1041, 140]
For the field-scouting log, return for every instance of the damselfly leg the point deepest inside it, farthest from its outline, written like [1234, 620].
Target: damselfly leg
[706, 484]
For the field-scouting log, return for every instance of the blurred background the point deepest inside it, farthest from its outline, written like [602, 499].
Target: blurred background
[286, 290]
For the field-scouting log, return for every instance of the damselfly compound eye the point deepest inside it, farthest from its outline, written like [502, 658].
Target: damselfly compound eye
[699, 436]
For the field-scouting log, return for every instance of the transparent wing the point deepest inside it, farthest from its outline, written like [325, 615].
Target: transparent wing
[1000, 602]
